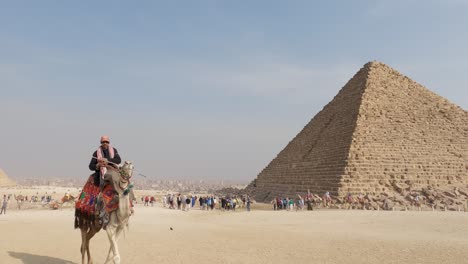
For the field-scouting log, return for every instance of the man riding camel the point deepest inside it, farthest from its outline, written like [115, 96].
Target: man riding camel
[104, 155]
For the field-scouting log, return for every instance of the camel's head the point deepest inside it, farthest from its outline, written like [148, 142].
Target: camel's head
[127, 170]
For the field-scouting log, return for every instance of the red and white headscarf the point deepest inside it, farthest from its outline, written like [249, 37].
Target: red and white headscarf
[100, 155]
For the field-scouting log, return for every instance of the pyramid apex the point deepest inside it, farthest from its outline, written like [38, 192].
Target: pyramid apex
[372, 67]
[375, 64]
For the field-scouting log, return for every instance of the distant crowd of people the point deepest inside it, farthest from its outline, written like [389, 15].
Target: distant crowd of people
[21, 199]
[309, 201]
[204, 202]
[46, 198]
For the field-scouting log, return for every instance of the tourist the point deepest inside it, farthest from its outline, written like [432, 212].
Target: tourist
[4, 204]
[215, 202]
[200, 202]
[209, 202]
[291, 204]
[187, 203]
[179, 201]
[223, 203]
[309, 198]
[194, 200]
[327, 199]
[182, 201]
[171, 201]
[274, 202]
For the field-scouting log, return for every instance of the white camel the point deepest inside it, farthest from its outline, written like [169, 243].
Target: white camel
[118, 219]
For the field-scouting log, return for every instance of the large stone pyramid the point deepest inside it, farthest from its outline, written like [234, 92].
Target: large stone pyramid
[382, 129]
[5, 180]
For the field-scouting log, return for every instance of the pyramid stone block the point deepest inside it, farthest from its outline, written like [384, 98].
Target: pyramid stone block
[381, 129]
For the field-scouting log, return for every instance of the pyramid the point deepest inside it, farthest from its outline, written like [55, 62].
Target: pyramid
[382, 129]
[5, 181]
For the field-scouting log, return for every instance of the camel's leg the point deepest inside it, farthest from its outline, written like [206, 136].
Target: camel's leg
[109, 256]
[84, 243]
[90, 260]
[110, 231]
[114, 246]
[117, 235]
[111, 247]
[90, 235]
[111, 234]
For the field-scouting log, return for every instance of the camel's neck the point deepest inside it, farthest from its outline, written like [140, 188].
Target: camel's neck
[124, 208]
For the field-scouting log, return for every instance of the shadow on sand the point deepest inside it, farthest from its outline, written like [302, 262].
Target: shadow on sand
[37, 259]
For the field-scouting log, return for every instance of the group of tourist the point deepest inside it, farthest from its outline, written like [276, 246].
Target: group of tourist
[46, 198]
[299, 203]
[181, 202]
[148, 200]
[207, 202]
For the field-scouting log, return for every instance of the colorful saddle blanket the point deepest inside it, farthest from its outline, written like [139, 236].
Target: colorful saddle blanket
[86, 203]
[110, 198]
[85, 206]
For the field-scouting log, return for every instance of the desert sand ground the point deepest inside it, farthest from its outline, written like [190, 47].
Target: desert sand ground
[35, 236]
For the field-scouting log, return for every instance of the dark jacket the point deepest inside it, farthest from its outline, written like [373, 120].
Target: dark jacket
[105, 152]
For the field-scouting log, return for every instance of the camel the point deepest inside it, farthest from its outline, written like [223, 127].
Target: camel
[350, 202]
[239, 203]
[316, 200]
[66, 199]
[327, 200]
[118, 219]
[19, 200]
[363, 201]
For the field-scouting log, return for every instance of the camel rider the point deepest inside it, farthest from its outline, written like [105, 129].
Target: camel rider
[102, 157]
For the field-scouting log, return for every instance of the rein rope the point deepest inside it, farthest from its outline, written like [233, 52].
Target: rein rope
[118, 166]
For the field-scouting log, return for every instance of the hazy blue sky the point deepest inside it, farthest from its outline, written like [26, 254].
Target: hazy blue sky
[201, 89]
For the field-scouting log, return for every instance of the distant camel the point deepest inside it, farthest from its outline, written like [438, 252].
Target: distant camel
[19, 200]
[118, 219]
[326, 200]
[66, 199]
[350, 202]
[239, 203]
[363, 202]
[316, 200]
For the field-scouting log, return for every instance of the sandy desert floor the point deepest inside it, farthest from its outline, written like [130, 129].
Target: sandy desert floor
[320, 236]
